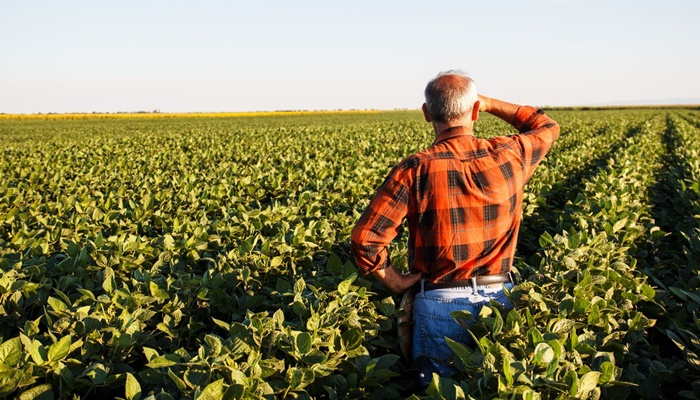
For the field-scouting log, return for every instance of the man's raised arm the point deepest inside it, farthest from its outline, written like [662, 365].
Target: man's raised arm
[538, 131]
[501, 109]
[523, 118]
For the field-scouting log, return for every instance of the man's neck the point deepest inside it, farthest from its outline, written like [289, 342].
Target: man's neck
[467, 124]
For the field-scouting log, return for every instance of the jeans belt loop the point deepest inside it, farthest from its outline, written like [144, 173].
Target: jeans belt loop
[422, 287]
[474, 287]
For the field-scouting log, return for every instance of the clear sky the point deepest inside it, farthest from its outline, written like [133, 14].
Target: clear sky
[176, 56]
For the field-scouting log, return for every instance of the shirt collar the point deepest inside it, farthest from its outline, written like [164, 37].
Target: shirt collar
[450, 133]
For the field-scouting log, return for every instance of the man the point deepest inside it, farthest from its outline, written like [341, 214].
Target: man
[462, 198]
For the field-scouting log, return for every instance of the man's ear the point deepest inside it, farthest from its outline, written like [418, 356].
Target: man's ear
[475, 110]
[425, 113]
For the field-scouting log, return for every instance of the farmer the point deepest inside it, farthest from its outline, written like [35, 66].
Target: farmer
[462, 198]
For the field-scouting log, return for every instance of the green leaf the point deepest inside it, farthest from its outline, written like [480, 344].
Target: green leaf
[164, 361]
[344, 286]
[571, 381]
[157, 292]
[11, 352]
[168, 242]
[196, 376]
[679, 292]
[545, 239]
[299, 286]
[607, 372]
[313, 323]
[648, 292]
[38, 352]
[552, 367]
[10, 379]
[234, 391]
[594, 316]
[535, 336]
[569, 263]
[150, 353]
[573, 241]
[573, 340]
[462, 352]
[387, 306]
[507, 372]
[299, 378]
[246, 247]
[589, 381]
[693, 359]
[543, 354]
[352, 338]
[214, 343]
[97, 373]
[334, 265]
[132, 388]
[497, 323]
[41, 392]
[563, 326]
[619, 224]
[444, 388]
[60, 349]
[276, 261]
[557, 347]
[464, 318]
[283, 286]
[386, 361]
[676, 340]
[179, 382]
[303, 342]
[348, 269]
[213, 391]
[56, 304]
[109, 283]
[221, 324]
[238, 377]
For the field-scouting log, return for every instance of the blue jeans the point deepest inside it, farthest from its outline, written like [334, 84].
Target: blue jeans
[432, 322]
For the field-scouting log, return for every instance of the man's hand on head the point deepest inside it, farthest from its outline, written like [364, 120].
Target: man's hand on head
[501, 109]
[484, 103]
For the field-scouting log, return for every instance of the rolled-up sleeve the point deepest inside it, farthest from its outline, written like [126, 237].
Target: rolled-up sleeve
[537, 134]
[380, 223]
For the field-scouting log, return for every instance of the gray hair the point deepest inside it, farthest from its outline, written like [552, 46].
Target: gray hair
[449, 99]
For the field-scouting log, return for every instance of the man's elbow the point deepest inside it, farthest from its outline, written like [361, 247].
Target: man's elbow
[356, 239]
[358, 249]
[553, 128]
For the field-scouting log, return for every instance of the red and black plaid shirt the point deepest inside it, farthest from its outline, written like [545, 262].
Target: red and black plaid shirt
[462, 198]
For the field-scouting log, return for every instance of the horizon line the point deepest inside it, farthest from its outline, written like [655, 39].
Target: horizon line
[612, 104]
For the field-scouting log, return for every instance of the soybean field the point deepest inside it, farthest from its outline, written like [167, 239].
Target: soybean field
[208, 257]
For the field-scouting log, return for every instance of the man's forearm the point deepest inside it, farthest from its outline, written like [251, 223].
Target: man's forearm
[394, 281]
[501, 109]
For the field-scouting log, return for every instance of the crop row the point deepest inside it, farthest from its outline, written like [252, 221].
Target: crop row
[577, 317]
[672, 262]
[585, 147]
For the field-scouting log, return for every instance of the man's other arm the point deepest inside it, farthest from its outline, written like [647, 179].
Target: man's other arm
[394, 281]
[375, 230]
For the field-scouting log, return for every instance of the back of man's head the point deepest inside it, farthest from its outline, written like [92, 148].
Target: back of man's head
[450, 96]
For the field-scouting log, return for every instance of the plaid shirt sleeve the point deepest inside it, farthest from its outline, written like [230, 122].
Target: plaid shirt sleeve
[380, 223]
[537, 135]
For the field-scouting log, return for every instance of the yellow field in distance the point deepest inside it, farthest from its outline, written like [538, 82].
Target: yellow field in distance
[139, 115]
